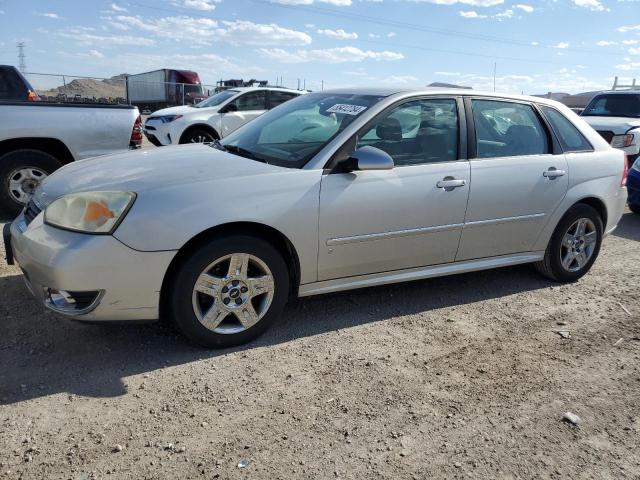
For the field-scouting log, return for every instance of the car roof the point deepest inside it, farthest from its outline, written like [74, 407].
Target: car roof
[277, 89]
[619, 92]
[387, 92]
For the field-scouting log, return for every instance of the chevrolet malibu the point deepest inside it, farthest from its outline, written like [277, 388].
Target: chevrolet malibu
[330, 191]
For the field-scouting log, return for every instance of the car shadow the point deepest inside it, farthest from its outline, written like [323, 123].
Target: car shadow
[43, 354]
[629, 227]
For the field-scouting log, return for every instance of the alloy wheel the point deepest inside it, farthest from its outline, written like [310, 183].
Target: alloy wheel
[233, 293]
[578, 244]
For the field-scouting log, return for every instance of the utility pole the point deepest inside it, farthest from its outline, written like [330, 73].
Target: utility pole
[495, 67]
[22, 63]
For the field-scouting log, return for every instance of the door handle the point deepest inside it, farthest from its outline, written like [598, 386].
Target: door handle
[449, 183]
[553, 173]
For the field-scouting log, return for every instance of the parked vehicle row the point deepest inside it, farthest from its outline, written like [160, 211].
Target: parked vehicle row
[330, 191]
[214, 118]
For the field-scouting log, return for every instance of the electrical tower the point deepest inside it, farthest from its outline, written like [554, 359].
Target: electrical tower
[22, 65]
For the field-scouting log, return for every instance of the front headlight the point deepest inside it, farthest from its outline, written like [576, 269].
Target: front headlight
[166, 118]
[622, 141]
[89, 212]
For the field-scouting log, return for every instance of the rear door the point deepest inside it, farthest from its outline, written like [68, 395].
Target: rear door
[277, 97]
[519, 176]
[249, 105]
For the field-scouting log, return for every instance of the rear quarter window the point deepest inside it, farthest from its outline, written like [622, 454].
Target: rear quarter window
[570, 137]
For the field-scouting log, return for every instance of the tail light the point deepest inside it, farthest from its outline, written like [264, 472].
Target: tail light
[625, 172]
[32, 96]
[136, 133]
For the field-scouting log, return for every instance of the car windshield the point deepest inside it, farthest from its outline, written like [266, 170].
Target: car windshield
[217, 99]
[615, 105]
[291, 134]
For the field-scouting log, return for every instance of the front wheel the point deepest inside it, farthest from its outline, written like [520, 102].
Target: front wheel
[197, 136]
[229, 291]
[574, 245]
[21, 171]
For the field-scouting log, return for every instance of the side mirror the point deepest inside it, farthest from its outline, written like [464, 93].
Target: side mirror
[231, 107]
[370, 158]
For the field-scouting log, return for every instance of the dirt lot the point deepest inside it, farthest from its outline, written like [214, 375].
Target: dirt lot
[459, 377]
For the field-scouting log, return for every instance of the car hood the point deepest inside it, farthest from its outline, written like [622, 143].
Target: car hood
[179, 110]
[617, 125]
[150, 169]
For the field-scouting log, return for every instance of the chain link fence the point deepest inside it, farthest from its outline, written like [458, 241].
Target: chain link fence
[124, 90]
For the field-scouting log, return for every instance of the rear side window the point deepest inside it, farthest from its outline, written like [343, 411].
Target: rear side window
[276, 98]
[252, 101]
[507, 129]
[570, 137]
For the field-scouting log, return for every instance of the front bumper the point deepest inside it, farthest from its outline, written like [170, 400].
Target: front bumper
[633, 187]
[129, 281]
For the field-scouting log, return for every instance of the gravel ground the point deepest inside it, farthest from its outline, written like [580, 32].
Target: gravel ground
[458, 377]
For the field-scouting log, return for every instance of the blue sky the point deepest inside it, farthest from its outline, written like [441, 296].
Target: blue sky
[537, 46]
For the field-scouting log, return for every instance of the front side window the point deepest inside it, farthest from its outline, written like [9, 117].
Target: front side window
[614, 105]
[251, 101]
[416, 132]
[277, 98]
[217, 99]
[293, 133]
[570, 137]
[506, 129]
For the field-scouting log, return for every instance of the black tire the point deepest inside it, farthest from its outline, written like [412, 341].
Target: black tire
[17, 159]
[180, 291]
[635, 208]
[197, 135]
[551, 266]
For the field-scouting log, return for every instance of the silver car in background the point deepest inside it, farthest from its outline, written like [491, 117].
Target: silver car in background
[330, 191]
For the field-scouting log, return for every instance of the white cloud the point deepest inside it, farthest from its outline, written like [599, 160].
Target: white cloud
[524, 8]
[204, 31]
[329, 55]
[561, 45]
[339, 34]
[471, 14]
[55, 16]
[118, 8]
[338, 3]
[630, 28]
[594, 5]
[203, 5]
[85, 36]
[605, 43]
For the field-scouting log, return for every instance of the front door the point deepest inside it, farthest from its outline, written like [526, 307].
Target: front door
[247, 107]
[410, 216]
[517, 180]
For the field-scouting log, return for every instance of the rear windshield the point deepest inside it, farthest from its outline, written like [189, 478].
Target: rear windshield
[614, 105]
[12, 84]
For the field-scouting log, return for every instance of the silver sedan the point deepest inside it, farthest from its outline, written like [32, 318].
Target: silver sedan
[330, 191]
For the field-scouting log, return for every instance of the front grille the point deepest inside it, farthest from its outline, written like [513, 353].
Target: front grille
[31, 211]
[606, 134]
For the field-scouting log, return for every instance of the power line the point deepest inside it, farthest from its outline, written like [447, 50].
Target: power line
[410, 26]
[423, 28]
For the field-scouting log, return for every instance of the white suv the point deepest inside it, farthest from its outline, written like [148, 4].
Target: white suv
[214, 118]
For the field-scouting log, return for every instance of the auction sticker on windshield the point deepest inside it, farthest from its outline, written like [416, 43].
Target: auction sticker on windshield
[346, 109]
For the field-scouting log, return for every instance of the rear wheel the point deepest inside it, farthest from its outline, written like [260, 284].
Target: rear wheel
[574, 246]
[229, 291]
[197, 136]
[21, 171]
[635, 208]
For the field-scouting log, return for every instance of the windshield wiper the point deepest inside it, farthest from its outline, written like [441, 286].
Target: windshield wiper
[218, 146]
[243, 152]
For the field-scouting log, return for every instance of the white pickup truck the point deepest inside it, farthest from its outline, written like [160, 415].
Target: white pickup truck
[37, 138]
[616, 117]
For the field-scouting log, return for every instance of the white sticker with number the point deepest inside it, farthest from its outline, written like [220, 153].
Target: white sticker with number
[346, 109]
